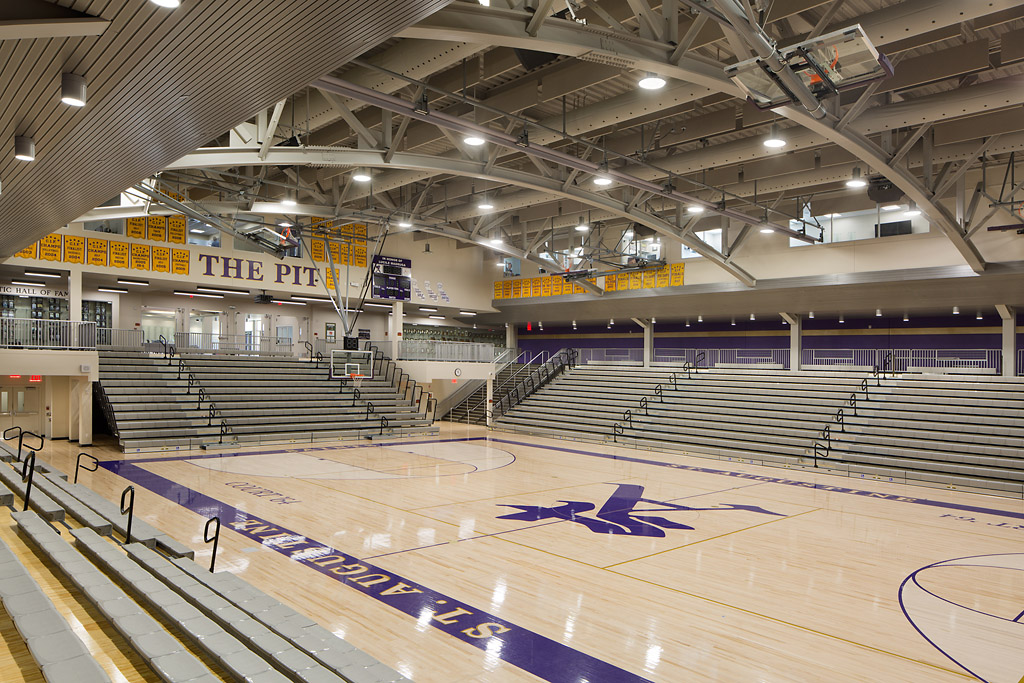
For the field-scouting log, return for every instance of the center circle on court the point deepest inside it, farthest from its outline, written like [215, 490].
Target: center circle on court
[385, 461]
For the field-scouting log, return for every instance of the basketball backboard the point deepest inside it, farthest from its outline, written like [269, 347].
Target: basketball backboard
[827, 64]
[354, 364]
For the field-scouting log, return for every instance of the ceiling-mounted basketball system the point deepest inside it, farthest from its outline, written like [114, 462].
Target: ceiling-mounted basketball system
[824, 65]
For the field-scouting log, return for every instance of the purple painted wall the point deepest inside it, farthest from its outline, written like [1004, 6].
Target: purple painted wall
[946, 332]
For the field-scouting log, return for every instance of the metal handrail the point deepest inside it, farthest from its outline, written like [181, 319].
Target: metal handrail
[215, 539]
[27, 472]
[497, 393]
[627, 416]
[657, 392]
[383, 424]
[79, 466]
[369, 409]
[643, 404]
[129, 510]
[617, 431]
[563, 359]
[21, 440]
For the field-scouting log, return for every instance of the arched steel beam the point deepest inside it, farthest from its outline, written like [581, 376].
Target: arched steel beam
[335, 156]
[465, 22]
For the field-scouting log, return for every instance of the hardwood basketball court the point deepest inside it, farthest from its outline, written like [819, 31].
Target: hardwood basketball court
[482, 556]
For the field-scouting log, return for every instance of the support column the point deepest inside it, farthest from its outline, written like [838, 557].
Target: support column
[1009, 318]
[75, 295]
[85, 413]
[395, 328]
[490, 397]
[648, 328]
[74, 407]
[795, 339]
[511, 336]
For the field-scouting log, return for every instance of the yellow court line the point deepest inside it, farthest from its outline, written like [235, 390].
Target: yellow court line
[711, 538]
[792, 625]
[548, 552]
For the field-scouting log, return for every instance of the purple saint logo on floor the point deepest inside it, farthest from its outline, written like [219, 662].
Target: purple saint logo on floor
[619, 514]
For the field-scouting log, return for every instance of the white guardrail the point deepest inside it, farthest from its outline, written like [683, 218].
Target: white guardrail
[28, 333]
[209, 341]
[112, 336]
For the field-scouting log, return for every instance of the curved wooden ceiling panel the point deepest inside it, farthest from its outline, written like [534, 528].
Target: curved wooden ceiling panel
[161, 83]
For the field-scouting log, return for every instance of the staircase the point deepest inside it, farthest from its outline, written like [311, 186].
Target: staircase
[473, 410]
[156, 406]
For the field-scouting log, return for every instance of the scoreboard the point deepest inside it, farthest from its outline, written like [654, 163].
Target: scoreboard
[391, 278]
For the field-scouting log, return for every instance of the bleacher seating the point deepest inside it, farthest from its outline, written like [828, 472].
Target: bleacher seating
[958, 432]
[260, 399]
[183, 623]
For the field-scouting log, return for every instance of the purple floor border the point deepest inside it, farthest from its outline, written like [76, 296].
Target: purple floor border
[550, 660]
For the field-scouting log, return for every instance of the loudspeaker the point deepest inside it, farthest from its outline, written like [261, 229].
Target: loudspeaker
[351, 343]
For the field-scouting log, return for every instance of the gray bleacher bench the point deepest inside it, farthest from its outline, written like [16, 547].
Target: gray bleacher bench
[38, 501]
[61, 655]
[141, 531]
[74, 507]
[285, 656]
[232, 654]
[234, 598]
[162, 652]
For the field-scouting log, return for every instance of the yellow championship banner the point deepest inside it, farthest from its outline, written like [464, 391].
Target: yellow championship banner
[650, 279]
[546, 287]
[664, 276]
[498, 289]
[162, 259]
[577, 288]
[609, 283]
[556, 285]
[506, 289]
[179, 261]
[317, 250]
[119, 254]
[74, 249]
[636, 280]
[359, 232]
[177, 229]
[329, 277]
[135, 227]
[359, 258]
[49, 248]
[140, 257]
[27, 252]
[677, 274]
[538, 286]
[96, 252]
[156, 228]
[517, 289]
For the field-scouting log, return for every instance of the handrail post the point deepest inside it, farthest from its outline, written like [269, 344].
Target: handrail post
[627, 415]
[616, 432]
[383, 424]
[27, 471]
[78, 465]
[215, 539]
[129, 510]
[657, 392]
[643, 404]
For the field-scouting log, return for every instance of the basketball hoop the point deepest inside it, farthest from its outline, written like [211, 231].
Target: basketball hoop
[356, 379]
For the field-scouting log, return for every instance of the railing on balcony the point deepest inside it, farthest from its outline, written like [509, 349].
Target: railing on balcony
[624, 356]
[110, 336]
[462, 352]
[710, 358]
[985, 361]
[210, 341]
[28, 333]
[858, 360]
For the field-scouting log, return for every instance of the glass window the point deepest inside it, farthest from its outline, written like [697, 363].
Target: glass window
[712, 238]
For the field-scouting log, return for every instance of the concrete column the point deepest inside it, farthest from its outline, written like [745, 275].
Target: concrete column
[1009, 318]
[490, 397]
[75, 294]
[795, 339]
[511, 336]
[648, 328]
[395, 328]
[85, 413]
[74, 408]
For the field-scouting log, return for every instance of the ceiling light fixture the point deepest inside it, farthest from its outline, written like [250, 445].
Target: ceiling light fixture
[878, 312]
[651, 82]
[855, 180]
[912, 211]
[405, 223]
[298, 297]
[752, 317]
[286, 301]
[199, 294]
[38, 273]
[24, 148]
[169, 4]
[72, 90]
[288, 201]
[811, 315]
[582, 226]
[218, 290]
[361, 175]
[700, 318]
[891, 207]
[137, 283]
[375, 305]
[574, 324]
[485, 205]
[28, 283]
[436, 317]
[841, 319]
[956, 310]
[427, 309]
[473, 140]
[774, 140]
[695, 209]
[767, 231]
[906, 318]
[602, 178]
[467, 312]
[284, 225]
[112, 290]
[687, 323]
[733, 322]
[197, 231]
[500, 264]
[611, 321]
[979, 316]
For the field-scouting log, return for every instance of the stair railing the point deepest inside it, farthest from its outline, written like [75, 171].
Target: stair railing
[504, 387]
[27, 472]
[558, 364]
[21, 439]
[383, 424]
[80, 466]
[128, 510]
[215, 539]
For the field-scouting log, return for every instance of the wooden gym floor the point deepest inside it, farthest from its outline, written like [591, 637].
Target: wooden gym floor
[479, 556]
